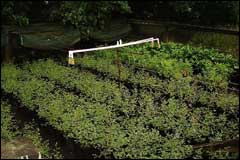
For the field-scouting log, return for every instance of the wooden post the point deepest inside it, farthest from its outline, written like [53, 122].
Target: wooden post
[142, 50]
[70, 58]
[167, 34]
[119, 67]
[8, 49]
[158, 43]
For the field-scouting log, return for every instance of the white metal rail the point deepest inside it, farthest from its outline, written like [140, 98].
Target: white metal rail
[118, 45]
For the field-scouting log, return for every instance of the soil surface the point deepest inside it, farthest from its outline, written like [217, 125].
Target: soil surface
[18, 147]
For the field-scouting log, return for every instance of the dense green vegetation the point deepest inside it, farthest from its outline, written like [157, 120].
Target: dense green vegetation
[206, 65]
[169, 99]
[8, 126]
[134, 102]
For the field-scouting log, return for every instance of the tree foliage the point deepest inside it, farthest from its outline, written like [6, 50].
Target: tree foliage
[93, 14]
[87, 16]
[199, 12]
[14, 12]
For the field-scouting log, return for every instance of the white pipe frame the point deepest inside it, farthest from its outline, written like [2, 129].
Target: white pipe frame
[118, 45]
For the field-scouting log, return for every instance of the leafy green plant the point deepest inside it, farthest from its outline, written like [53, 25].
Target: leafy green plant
[8, 125]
